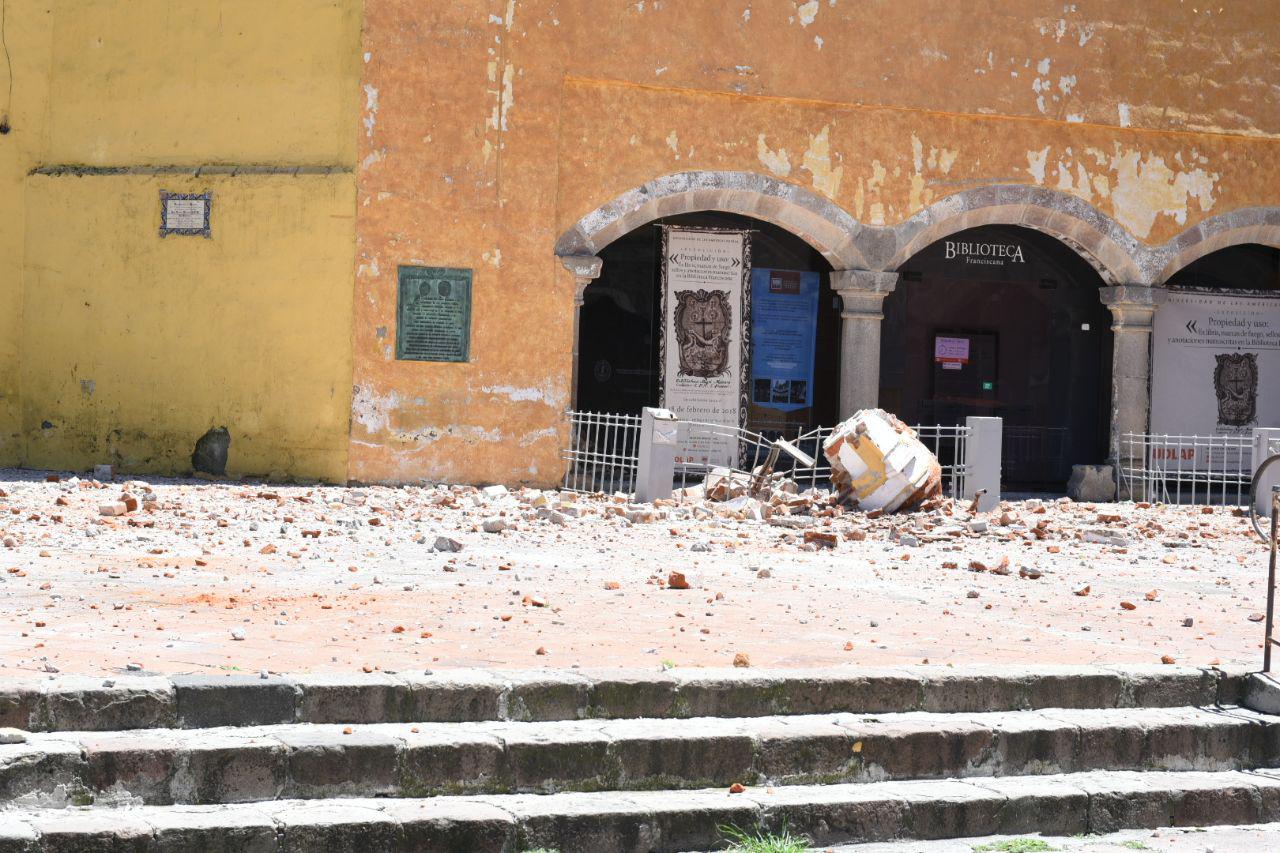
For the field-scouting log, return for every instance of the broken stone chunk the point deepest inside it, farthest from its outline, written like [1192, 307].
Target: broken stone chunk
[878, 464]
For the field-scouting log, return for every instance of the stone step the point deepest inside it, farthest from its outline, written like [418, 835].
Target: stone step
[311, 761]
[658, 821]
[77, 703]
[1229, 838]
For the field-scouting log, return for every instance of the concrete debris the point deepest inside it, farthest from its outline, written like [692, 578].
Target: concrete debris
[1092, 483]
[245, 567]
[878, 463]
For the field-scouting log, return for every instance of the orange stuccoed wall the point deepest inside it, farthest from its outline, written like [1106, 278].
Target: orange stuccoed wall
[488, 129]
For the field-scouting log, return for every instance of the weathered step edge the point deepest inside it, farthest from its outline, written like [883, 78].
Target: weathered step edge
[81, 703]
[663, 821]
[301, 761]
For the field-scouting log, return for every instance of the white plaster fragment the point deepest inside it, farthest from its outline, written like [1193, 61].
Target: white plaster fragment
[817, 161]
[777, 162]
[807, 12]
[371, 411]
[371, 109]
[1036, 162]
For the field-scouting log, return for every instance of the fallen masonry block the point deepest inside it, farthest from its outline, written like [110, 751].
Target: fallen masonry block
[878, 463]
[444, 543]
[821, 539]
[112, 509]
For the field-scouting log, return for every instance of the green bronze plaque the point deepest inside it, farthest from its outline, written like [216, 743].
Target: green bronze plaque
[433, 314]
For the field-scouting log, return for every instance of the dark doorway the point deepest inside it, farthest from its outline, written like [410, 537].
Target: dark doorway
[618, 367]
[1245, 267]
[1003, 321]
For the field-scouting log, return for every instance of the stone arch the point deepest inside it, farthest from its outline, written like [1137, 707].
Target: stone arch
[1100, 240]
[1259, 225]
[817, 220]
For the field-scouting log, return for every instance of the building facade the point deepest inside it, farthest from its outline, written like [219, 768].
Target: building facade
[1028, 178]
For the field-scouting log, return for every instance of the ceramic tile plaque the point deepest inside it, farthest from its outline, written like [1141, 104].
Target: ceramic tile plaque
[185, 213]
[433, 314]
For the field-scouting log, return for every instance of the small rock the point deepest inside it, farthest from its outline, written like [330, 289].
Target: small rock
[237, 633]
[493, 525]
[677, 580]
[741, 660]
[444, 543]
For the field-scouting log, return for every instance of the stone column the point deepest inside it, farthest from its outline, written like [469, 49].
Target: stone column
[862, 294]
[1133, 308]
[585, 269]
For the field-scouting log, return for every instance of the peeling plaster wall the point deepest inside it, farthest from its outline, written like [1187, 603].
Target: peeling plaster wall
[490, 128]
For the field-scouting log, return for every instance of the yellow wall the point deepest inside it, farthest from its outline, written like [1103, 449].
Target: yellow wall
[28, 30]
[137, 345]
[128, 345]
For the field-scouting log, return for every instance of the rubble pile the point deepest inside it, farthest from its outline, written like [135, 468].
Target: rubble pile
[103, 575]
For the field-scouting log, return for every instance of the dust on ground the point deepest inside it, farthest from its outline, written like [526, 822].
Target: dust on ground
[207, 577]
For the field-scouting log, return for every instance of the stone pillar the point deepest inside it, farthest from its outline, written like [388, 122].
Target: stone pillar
[862, 294]
[1132, 309]
[585, 269]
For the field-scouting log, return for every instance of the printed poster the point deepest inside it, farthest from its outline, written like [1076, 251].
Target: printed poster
[705, 313]
[1215, 370]
[784, 320]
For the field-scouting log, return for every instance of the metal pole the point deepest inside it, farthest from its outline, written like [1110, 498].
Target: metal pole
[1271, 579]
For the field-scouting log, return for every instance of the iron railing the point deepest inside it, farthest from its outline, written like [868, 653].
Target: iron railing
[1176, 469]
[1270, 536]
[948, 443]
[603, 453]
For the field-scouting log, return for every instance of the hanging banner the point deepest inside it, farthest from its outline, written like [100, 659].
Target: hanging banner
[706, 309]
[784, 322]
[1215, 372]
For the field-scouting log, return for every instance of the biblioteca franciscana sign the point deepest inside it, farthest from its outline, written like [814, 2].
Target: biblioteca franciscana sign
[994, 254]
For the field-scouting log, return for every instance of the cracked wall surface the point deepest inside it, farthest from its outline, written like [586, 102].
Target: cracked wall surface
[505, 130]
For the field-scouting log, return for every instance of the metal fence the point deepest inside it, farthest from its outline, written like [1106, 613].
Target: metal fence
[603, 453]
[1192, 469]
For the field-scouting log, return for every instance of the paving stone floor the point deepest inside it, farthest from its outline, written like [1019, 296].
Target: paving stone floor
[224, 577]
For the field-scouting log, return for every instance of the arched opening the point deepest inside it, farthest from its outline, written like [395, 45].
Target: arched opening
[1003, 321]
[1249, 266]
[1216, 355]
[619, 324]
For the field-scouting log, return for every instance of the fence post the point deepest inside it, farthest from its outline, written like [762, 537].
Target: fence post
[982, 460]
[1264, 439]
[656, 466]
